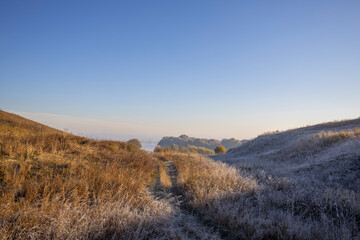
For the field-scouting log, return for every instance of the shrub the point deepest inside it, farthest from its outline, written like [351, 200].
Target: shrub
[136, 142]
[220, 149]
[160, 149]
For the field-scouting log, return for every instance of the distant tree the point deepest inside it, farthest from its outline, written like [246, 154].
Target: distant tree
[135, 142]
[220, 149]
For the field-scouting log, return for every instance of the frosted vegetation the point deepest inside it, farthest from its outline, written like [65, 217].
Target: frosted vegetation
[308, 185]
[298, 184]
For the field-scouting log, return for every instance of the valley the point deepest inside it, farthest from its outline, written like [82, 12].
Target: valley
[297, 184]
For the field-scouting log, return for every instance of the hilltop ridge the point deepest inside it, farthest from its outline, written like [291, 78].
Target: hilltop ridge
[271, 142]
[184, 141]
[10, 122]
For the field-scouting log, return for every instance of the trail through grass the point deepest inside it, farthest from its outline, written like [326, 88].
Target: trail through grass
[190, 223]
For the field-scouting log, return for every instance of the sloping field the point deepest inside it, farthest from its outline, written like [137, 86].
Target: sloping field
[308, 184]
[299, 184]
[325, 154]
[54, 185]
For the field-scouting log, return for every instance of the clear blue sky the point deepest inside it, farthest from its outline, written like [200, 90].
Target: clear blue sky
[204, 68]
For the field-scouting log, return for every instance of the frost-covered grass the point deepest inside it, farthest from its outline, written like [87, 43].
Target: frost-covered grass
[265, 206]
[204, 180]
[300, 184]
[305, 185]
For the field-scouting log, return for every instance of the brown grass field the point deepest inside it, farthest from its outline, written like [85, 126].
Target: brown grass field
[55, 185]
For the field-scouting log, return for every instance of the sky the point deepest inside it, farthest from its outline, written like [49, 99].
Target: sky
[146, 69]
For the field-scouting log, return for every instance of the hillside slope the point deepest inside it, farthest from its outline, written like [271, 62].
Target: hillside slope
[55, 185]
[325, 153]
[10, 122]
[308, 185]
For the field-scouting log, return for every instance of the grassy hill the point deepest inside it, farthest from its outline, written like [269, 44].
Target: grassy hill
[14, 124]
[55, 185]
[309, 183]
[328, 152]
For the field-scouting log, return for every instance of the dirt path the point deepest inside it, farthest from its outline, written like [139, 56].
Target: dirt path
[175, 188]
[190, 223]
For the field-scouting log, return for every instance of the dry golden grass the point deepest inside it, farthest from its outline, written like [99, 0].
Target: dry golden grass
[55, 185]
[164, 154]
[204, 180]
[330, 137]
[164, 177]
